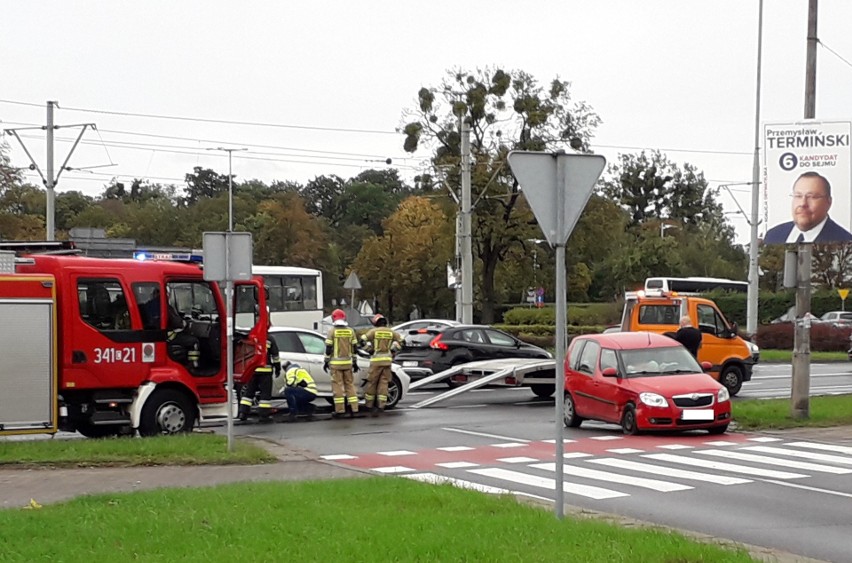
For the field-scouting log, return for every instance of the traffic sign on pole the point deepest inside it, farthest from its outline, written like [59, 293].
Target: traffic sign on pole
[537, 174]
[557, 187]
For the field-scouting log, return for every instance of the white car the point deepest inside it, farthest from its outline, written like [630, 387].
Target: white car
[307, 348]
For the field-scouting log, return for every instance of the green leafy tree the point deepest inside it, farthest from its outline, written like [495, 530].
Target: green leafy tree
[506, 110]
[406, 265]
[204, 183]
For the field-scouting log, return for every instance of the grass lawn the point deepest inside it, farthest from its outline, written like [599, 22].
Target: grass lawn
[763, 414]
[375, 519]
[786, 356]
[185, 449]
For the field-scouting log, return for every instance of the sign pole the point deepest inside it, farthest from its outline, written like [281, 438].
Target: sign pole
[229, 307]
[561, 329]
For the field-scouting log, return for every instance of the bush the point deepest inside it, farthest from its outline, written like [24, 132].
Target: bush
[545, 335]
[824, 337]
[579, 314]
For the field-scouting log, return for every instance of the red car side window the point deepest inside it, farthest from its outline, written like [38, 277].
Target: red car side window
[589, 357]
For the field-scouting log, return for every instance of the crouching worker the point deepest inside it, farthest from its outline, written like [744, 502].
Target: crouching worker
[300, 391]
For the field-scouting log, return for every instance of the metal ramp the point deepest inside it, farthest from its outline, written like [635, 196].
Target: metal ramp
[498, 369]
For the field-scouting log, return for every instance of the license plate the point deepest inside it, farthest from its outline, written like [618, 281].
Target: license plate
[409, 364]
[698, 414]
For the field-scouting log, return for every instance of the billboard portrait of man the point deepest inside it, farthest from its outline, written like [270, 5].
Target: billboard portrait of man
[808, 182]
[811, 201]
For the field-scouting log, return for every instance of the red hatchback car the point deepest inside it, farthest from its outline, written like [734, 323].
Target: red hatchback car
[643, 382]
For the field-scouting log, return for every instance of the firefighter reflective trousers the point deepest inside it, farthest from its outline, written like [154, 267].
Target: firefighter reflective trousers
[376, 392]
[260, 381]
[343, 388]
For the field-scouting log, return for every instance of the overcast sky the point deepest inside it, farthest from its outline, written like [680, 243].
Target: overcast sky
[675, 75]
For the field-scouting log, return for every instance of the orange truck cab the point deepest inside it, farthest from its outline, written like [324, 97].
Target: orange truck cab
[133, 345]
[731, 356]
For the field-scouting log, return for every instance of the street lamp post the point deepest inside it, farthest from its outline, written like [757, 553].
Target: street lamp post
[230, 184]
[229, 300]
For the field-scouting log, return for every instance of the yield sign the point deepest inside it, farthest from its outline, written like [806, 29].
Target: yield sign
[543, 176]
[352, 282]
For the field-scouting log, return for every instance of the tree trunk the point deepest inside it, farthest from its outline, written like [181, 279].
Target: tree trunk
[489, 268]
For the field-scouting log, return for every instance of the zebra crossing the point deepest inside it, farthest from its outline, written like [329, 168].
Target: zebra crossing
[610, 467]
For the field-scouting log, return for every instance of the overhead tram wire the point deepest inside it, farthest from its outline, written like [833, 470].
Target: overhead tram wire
[193, 151]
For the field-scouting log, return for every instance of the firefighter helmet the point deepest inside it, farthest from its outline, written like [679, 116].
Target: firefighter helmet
[380, 320]
[338, 315]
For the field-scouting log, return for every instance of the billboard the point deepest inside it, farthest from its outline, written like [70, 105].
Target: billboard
[807, 185]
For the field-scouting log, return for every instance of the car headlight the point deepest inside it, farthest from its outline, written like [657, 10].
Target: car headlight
[753, 347]
[653, 400]
[723, 395]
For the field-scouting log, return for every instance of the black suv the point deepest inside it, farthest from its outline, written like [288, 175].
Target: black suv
[432, 350]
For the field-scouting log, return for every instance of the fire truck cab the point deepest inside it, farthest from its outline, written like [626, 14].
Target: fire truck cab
[134, 345]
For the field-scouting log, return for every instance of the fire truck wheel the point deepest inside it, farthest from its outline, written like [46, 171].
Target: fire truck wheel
[167, 411]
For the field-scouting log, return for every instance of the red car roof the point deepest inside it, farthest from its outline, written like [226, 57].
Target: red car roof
[631, 340]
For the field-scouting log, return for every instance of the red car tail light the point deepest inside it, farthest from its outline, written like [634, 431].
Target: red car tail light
[436, 343]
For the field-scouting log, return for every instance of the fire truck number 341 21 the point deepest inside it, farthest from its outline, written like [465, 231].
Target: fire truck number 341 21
[125, 355]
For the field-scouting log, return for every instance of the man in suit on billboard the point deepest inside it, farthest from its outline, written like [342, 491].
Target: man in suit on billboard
[811, 223]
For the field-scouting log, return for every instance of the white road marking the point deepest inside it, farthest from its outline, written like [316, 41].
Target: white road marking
[605, 438]
[393, 469]
[824, 447]
[776, 461]
[764, 439]
[806, 488]
[721, 466]
[720, 444]
[335, 457]
[596, 493]
[457, 464]
[455, 448]
[520, 459]
[396, 453]
[576, 471]
[662, 470]
[508, 445]
[575, 455]
[436, 479]
[795, 453]
[625, 451]
[486, 435]
[675, 447]
[564, 441]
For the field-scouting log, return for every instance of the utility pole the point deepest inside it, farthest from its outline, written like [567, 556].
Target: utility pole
[50, 183]
[800, 384]
[230, 184]
[50, 180]
[753, 267]
[466, 242]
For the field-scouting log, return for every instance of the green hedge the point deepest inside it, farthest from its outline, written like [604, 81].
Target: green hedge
[772, 305]
[545, 335]
[579, 314]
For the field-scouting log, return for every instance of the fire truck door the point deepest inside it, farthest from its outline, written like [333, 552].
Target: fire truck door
[249, 342]
[103, 348]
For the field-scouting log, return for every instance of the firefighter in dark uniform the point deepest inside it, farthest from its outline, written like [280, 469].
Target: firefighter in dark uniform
[262, 381]
[340, 357]
[182, 346]
[382, 343]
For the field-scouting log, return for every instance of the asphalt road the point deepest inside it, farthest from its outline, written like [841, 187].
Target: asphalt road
[775, 490]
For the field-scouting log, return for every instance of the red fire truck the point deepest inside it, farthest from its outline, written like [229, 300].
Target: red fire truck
[105, 347]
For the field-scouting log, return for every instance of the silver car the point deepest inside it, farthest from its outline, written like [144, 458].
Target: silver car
[307, 348]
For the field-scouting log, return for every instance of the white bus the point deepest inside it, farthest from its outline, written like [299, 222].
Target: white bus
[294, 297]
[694, 285]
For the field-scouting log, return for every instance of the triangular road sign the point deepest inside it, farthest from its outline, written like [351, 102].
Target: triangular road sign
[538, 174]
[352, 282]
